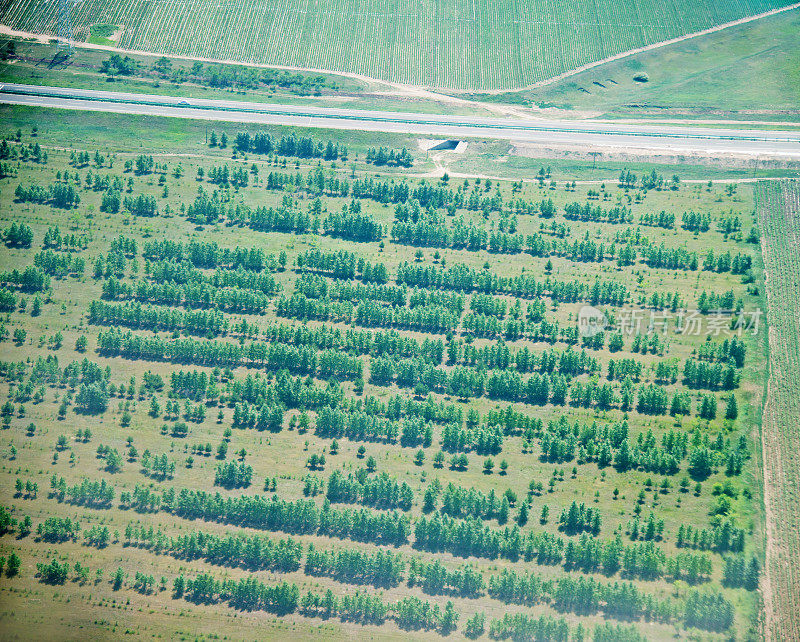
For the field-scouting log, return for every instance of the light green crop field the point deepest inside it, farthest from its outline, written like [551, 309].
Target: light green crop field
[488, 44]
[748, 72]
[779, 218]
[35, 63]
[197, 341]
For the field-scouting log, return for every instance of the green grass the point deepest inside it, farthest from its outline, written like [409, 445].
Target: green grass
[498, 159]
[79, 611]
[101, 35]
[490, 44]
[44, 64]
[747, 72]
[779, 219]
[491, 158]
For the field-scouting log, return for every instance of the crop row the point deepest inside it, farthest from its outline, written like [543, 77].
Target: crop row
[467, 45]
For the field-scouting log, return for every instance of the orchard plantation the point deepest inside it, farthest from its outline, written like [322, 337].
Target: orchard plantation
[284, 376]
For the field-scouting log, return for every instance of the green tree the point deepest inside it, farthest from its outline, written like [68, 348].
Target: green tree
[731, 408]
[544, 514]
[522, 515]
[113, 461]
[701, 461]
[475, 626]
[449, 619]
[13, 565]
[502, 514]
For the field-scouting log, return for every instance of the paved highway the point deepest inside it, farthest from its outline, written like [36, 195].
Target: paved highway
[705, 141]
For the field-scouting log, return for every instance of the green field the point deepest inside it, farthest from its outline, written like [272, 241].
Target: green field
[35, 63]
[747, 72]
[779, 218]
[571, 467]
[459, 45]
[101, 35]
